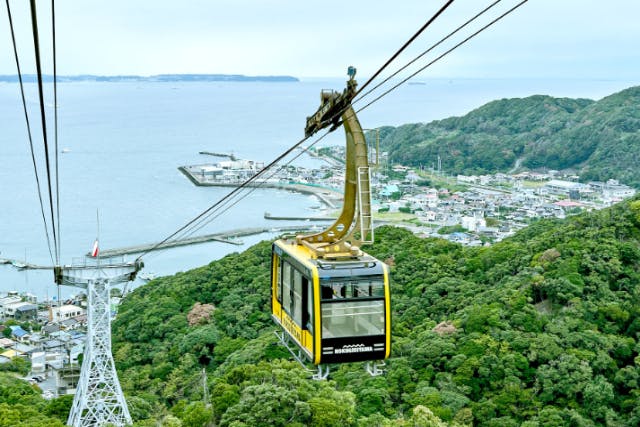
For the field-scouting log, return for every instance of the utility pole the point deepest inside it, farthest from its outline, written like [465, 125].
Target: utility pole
[99, 399]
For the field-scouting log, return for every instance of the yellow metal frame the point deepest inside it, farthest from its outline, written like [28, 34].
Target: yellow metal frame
[387, 311]
[343, 238]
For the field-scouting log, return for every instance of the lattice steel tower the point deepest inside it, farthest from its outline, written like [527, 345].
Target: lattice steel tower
[98, 399]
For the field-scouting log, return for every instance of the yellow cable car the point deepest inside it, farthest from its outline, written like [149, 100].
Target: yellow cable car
[332, 299]
[335, 311]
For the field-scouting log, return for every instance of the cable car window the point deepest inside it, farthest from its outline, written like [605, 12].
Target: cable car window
[363, 288]
[335, 289]
[278, 273]
[309, 314]
[352, 318]
[377, 288]
[296, 303]
[286, 286]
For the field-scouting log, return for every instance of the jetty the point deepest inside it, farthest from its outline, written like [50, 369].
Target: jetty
[24, 265]
[225, 237]
[267, 215]
[328, 196]
[229, 156]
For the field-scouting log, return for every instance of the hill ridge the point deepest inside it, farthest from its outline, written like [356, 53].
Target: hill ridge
[598, 139]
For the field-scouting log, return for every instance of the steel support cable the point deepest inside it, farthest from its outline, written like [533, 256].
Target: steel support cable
[55, 121]
[36, 46]
[240, 196]
[227, 203]
[26, 117]
[224, 207]
[407, 43]
[444, 54]
[255, 177]
[259, 174]
[198, 227]
[230, 194]
[442, 40]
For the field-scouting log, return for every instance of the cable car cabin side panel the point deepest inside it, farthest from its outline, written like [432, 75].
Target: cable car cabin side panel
[292, 299]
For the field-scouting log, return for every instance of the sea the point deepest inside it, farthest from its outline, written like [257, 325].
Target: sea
[120, 145]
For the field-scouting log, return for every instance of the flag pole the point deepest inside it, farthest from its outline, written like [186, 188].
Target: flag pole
[97, 249]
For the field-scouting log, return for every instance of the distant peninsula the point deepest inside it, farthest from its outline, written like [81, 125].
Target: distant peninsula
[31, 78]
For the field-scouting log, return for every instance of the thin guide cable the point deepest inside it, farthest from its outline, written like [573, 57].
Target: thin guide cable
[406, 44]
[55, 121]
[36, 46]
[444, 54]
[240, 188]
[29, 133]
[442, 40]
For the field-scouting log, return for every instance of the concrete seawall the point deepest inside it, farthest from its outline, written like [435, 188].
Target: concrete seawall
[329, 197]
[267, 215]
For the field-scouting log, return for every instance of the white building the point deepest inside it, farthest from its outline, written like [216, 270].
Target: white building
[10, 310]
[471, 179]
[4, 302]
[557, 186]
[64, 312]
[614, 190]
[472, 223]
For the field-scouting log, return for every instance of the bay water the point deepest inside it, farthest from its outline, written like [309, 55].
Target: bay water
[120, 144]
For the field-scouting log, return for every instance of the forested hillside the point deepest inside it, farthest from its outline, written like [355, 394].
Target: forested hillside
[600, 140]
[538, 330]
[22, 404]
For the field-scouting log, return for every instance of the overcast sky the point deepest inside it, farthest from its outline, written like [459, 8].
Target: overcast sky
[544, 38]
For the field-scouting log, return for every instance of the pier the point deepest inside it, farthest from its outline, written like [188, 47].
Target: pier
[268, 216]
[328, 196]
[229, 156]
[229, 237]
[225, 237]
[24, 265]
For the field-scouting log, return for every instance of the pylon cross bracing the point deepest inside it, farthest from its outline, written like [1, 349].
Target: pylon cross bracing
[99, 399]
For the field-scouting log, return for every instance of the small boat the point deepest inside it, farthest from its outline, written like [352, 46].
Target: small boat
[66, 150]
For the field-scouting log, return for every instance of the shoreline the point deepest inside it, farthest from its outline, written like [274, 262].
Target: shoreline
[331, 198]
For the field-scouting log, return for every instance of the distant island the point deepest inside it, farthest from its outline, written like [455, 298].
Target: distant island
[32, 78]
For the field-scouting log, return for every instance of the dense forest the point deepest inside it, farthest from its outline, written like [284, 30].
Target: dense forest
[538, 330]
[599, 140]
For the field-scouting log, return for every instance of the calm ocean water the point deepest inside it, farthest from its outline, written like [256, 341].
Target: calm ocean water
[124, 142]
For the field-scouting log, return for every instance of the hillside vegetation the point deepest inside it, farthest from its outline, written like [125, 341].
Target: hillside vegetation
[600, 140]
[22, 405]
[538, 330]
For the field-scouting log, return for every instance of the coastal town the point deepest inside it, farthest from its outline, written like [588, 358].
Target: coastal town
[48, 334]
[468, 209]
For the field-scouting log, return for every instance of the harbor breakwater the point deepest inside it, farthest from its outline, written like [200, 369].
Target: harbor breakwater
[328, 196]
